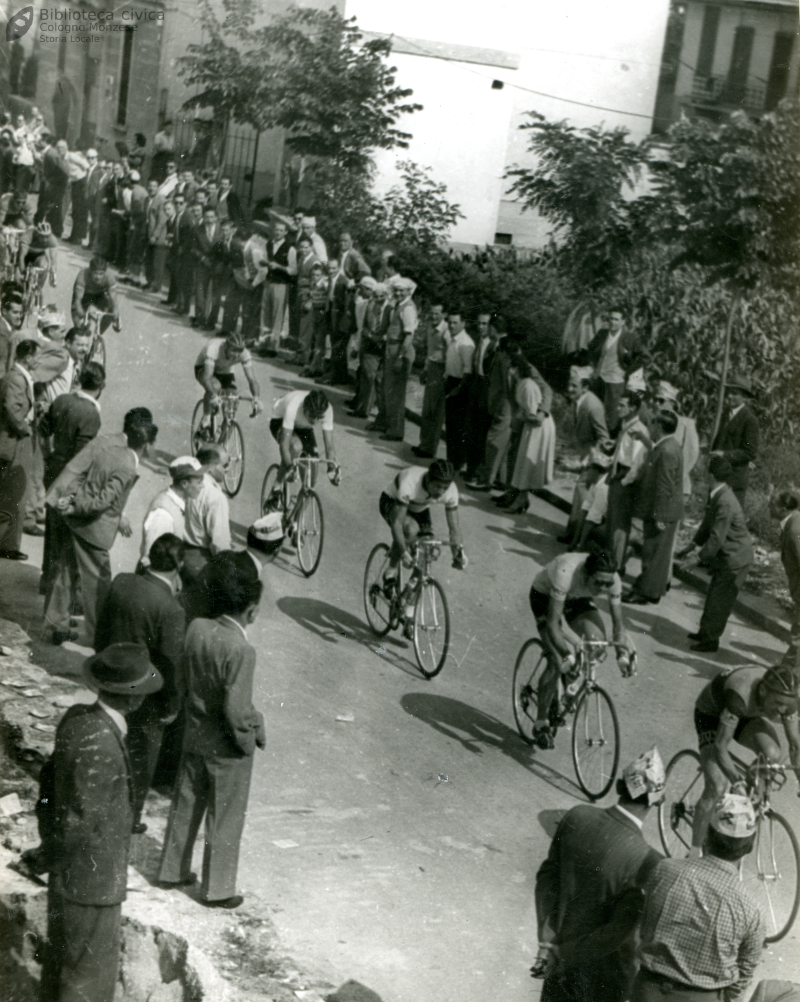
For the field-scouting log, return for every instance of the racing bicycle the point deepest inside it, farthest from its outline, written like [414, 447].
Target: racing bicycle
[93, 325]
[771, 872]
[387, 602]
[595, 729]
[33, 296]
[223, 430]
[9, 252]
[303, 521]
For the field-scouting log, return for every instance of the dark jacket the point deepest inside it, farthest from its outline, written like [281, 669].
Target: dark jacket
[660, 488]
[590, 422]
[723, 534]
[202, 246]
[72, 421]
[790, 554]
[16, 403]
[55, 172]
[589, 899]
[630, 351]
[738, 439]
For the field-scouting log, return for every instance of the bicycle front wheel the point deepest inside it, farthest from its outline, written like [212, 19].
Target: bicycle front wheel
[310, 532]
[197, 416]
[683, 788]
[233, 443]
[98, 352]
[595, 742]
[377, 604]
[268, 487]
[771, 874]
[531, 665]
[431, 628]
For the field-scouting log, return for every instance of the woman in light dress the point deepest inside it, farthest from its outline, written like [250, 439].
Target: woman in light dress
[533, 465]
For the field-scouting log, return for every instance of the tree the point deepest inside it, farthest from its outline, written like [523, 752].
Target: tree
[308, 71]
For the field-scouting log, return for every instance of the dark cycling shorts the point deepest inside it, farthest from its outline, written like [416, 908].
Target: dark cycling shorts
[306, 435]
[37, 258]
[226, 380]
[573, 607]
[387, 505]
[707, 726]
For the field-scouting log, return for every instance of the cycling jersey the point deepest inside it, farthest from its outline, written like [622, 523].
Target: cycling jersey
[408, 489]
[216, 351]
[565, 578]
[85, 286]
[290, 409]
[731, 695]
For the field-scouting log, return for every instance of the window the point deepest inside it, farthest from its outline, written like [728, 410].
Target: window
[736, 84]
[125, 76]
[778, 79]
[503, 238]
[708, 42]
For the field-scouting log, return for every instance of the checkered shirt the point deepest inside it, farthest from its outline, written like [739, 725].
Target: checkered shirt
[699, 927]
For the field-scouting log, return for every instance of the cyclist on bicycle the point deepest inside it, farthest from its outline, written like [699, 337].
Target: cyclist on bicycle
[37, 249]
[742, 705]
[562, 592]
[94, 286]
[297, 414]
[213, 370]
[405, 506]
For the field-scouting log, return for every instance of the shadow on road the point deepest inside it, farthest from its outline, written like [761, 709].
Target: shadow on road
[540, 543]
[702, 668]
[754, 651]
[476, 730]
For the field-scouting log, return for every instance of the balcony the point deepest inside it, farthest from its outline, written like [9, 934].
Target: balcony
[720, 94]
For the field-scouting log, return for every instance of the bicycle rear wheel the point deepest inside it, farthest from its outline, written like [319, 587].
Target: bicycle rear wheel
[268, 486]
[431, 628]
[683, 788]
[595, 742]
[196, 443]
[310, 532]
[771, 874]
[233, 443]
[377, 604]
[530, 666]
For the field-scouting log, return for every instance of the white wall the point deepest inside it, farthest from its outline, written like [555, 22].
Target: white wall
[603, 53]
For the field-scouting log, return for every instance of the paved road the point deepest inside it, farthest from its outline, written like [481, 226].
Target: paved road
[417, 827]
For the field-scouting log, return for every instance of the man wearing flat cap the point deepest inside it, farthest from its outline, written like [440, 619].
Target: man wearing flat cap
[738, 436]
[85, 814]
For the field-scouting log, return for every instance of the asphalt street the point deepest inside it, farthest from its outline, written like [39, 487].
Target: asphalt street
[396, 824]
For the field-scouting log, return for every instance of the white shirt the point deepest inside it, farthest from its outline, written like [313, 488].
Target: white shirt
[86, 396]
[634, 819]
[290, 408]
[159, 522]
[115, 715]
[208, 518]
[63, 383]
[735, 411]
[237, 625]
[481, 348]
[715, 491]
[458, 359]
[164, 578]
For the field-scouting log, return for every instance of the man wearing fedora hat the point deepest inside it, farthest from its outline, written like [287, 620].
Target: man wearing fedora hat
[738, 435]
[85, 815]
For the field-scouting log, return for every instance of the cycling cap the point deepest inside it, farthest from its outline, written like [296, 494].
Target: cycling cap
[266, 533]
[734, 816]
[44, 228]
[646, 775]
[235, 342]
[315, 405]
[50, 317]
[782, 680]
[186, 468]
[442, 471]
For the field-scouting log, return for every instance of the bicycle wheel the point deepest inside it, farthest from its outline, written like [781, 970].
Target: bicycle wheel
[431, 628]
[683, 788]
[98, 352]
[595, 742]
[530, 666]
[268, 486]
[233, 443]
[377, 605]
[197, 417]
[310, 532]
[771, 874]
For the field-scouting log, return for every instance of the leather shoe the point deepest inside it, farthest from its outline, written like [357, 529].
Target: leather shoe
[13, 555]
[185, 882]
[32, 529]
[421, 453]
[233, 902]
[706, 647]
[695, 636]
[60, 636]
[138, 828]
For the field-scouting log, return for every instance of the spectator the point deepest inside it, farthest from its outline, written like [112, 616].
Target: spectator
[186, 186]
[432, 418]
[206, 235]
[223, 730]
[170, 181]
[11, 317]
[478, 393]
[458, 366]
[249, 273]
[222, 259]
[101, 213]
[138, 155]
[78, 175]
[725, 549]
[627, 465]
[352, 268]
[785, 507]
[306, 259]
[77, 342]
[90, 493]
[185, 224]
[166, 512]
[137, 228]
[23, 156]
[163, 150]
[499, 401]
[16, 418]
[318, 300]
[685, 434]
[56, 178]
[372, 347]
[591, 530]
[590, 430]
[206, 517]
[157, 238]
[399, 356]
[174, 216]
[282, 258]
[738, 436]
[309, 229]
[119, 200]
[94, 176]
[615, 352]
[228, 204]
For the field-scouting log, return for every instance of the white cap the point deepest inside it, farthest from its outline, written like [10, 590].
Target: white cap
[636, 382]
[191, 461]
[135, 176]
[581, 371]
[646, 775]
[734, 816]
[91, 152]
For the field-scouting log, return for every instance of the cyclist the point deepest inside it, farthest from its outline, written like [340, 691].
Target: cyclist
[94, 286]
[405, 506]
[37, 249]
[213, 370]
[297, 414]
[742, 705]
[562, 592]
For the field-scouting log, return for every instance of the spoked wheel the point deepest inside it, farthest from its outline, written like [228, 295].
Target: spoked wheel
[595, 742]
[267, 488]
[771, 874]
[310, 533]
[377, 604]
[98, 352]
[233, 444]
[530, 666]
[683, 788]
[431, 628]
[197, 417]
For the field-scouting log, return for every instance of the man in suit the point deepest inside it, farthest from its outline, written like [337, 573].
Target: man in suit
[223, 729]
[228, 204]
[205, 236]
[432, 418]
[615, 352]
[93, 177]
[352, 268]
[11, 317]
[183, 238]
[457, 370]
[660, 505]
[157, 242]
[86, 825]
[56, 176]
[16, 419]
[222, 264]
[589, 896]
[479, 419]
[282, 258]
[726, 550]
[785, 507]
[685, 435]
[738, 435]
[90, 494]
[143, 609]
[627, 467]
[137, 227]
[590, 430]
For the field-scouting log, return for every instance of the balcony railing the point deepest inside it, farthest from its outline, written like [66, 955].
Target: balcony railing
[718, 92]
